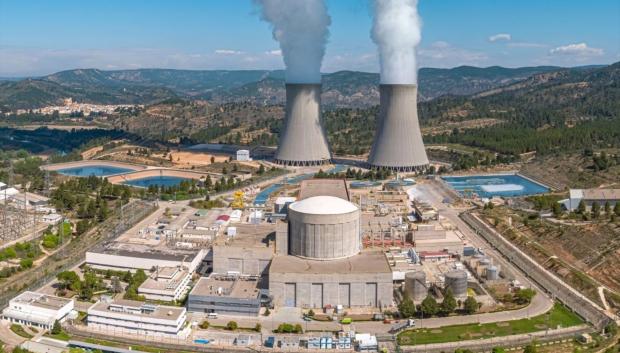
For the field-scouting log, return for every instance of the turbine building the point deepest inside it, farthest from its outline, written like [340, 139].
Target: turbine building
[303, 141]
[398, 144]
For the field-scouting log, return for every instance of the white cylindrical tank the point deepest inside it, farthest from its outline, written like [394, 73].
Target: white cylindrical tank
[324, 228]
[456, 281]
[492, 273]
[415, 285]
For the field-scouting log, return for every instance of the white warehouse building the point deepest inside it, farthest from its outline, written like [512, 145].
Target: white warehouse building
[139, 318]
[38, 310]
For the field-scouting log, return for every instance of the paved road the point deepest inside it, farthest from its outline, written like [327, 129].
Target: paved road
[9, 337]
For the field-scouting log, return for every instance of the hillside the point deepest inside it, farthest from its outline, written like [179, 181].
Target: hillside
[145, 86]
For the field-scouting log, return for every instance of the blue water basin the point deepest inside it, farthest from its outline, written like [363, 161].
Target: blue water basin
[487, 186]
[156, 180]
[96, 170]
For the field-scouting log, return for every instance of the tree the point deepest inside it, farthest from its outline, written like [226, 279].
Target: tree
[607, 207]
[212, 159]
[56, 329]
[68, 280]
[557, 209]
[406, 307]
[117, 287]
[267, 312]
[596, 209]
[470, 305]
[258, 327]
[524, 296]
[617, 208]
[429, 306]
[581, 208]
[530, 348]
[204, 325]
[449, 302]
[232, 325]
[25, 263]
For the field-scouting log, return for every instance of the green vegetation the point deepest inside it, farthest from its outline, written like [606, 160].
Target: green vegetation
[380, 174]
[558, 316]
[19, 330]
[134, 280]
[25, 252]
[52, 240]
[232, 325]
[289, 328]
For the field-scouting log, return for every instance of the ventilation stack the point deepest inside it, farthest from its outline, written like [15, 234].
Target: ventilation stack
[303, 141]
[398, 142]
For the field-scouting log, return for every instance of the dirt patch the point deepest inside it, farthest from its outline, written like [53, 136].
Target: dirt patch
[195, 158]
[436, 331]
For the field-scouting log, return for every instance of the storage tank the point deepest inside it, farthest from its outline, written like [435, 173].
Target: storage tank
[457, 281]
[492, 273]
[415, 285]
[303, 141]
[324, 228]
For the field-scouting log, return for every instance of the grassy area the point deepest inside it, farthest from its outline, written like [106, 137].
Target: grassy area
[558, 316]
[132, 347]
[63, 336]
[19, 330]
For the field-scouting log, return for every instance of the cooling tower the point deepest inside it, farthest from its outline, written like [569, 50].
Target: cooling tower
[415, 285]
[303, 141]
[398, 142]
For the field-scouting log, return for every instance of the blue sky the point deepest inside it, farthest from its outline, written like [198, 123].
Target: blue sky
[42, 37]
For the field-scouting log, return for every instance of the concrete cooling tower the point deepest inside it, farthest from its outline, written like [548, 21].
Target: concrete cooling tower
[303, 141]
[398, 142]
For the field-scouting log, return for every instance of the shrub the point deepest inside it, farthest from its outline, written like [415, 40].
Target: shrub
[204, 325]
[232, 325]
[258, 327]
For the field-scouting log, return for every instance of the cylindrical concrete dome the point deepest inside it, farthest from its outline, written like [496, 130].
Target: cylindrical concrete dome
[324, 228]
[415, 285]
[303, 141]
[456, 281]
[398, 141]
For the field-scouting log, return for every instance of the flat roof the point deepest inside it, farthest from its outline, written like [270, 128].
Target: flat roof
[601, 194]
[231, 287]
[40, 300]
[250, 235]
[365, 262]
[144, 252]
[324, 187]
[165, 282]
[134, 308]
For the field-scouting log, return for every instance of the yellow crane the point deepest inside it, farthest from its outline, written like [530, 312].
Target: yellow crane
[238, 198]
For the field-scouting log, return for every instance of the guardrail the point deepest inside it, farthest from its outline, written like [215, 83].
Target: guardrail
[560, 290]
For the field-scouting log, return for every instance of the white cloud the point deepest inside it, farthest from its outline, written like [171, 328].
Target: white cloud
[577, 49]
[228, 52]
[500, 37]
[444, 54]
[275, 52]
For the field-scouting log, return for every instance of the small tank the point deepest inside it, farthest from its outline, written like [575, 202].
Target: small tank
[492, 273]
[456, 281]
[415, 285]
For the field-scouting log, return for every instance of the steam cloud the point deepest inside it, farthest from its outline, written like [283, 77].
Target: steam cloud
[300, 26]
[397, 31]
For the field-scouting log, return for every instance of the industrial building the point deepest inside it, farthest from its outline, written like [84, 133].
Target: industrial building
[324, 227]
[243, 155]
[138, 318]
[303, 141]
[38, 310]
[247, 253]
[324, 187]
[590, 196]
[166, 284]
[226, 294]
[398, 141]
[123, 257]
[319, 260]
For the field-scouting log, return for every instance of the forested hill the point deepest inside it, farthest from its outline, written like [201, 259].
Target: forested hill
[341, 89]
[547, 113]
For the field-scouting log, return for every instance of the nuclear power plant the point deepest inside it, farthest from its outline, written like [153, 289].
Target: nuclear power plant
[398, 144]
[303, 141]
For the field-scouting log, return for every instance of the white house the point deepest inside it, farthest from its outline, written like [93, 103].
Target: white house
[243, 155]
[138, 318]
[36, 309]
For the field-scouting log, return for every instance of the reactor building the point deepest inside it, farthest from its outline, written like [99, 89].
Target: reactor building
[303, 141]
[319, 260]
[398, 144]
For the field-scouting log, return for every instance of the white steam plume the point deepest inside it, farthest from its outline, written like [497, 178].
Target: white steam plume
[397, 31]
[300, 26]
